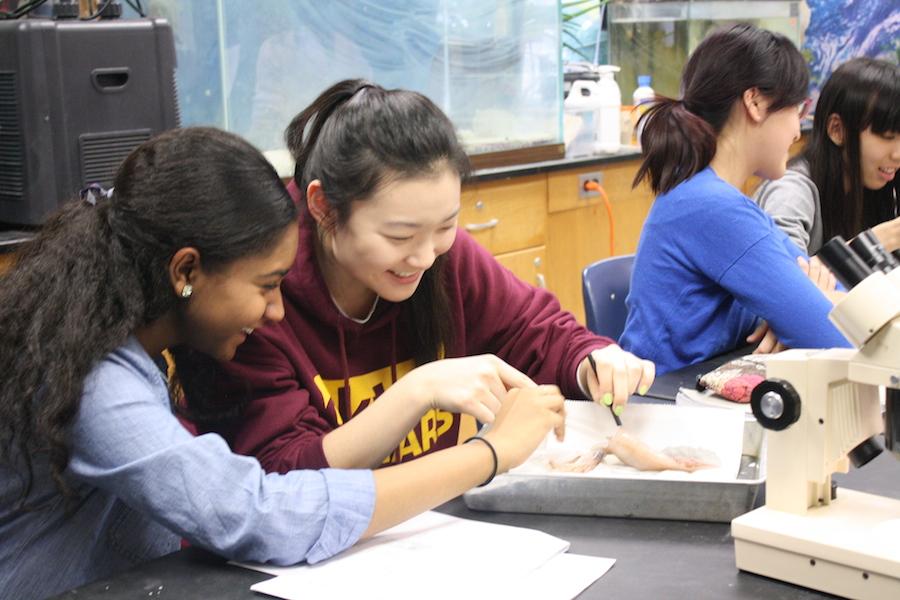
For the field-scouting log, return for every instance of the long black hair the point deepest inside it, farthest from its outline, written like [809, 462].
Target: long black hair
[97, 271]
[863, 93]
[679, 136]
[357, 136]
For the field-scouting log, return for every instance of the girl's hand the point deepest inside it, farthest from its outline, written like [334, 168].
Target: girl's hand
[474, 385]
[768, 341]
[525, 417]
[888, 233]
[819, 274]
[618, 375]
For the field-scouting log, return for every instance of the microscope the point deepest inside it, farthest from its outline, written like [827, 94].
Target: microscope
[823, 411]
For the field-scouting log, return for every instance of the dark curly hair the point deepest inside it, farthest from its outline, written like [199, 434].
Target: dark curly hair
[96, 272]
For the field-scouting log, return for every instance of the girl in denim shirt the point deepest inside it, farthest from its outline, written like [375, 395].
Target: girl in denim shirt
[187, 252]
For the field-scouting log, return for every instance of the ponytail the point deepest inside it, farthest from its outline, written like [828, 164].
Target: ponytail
[676, 144]
[69, 300]
[300, 143]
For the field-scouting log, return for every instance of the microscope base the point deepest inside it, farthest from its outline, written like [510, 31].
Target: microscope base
[850, 547]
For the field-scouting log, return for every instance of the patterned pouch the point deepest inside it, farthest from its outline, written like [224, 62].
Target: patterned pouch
[735, 379]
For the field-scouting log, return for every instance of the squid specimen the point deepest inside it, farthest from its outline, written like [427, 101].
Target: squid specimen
[634, 453]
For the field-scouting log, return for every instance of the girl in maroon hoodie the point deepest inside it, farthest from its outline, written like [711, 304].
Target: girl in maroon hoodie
[383, 286]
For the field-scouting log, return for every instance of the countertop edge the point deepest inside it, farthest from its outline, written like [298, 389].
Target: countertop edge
[548, 166]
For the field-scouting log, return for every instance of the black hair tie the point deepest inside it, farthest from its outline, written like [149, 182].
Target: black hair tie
[493, 453]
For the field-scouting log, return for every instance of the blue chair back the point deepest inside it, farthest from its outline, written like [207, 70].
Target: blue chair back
[605, 285]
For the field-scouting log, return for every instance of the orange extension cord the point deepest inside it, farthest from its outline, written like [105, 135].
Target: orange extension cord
[594, 186]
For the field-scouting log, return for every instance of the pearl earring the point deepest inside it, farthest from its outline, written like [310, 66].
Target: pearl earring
[187, 290]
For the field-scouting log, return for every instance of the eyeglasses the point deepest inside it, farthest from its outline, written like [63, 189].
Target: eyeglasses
[803, 108]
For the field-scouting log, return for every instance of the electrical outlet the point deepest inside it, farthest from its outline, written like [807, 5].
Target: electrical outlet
[584, 180]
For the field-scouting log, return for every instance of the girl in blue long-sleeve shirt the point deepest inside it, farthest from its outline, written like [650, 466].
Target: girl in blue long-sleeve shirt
[710, 263]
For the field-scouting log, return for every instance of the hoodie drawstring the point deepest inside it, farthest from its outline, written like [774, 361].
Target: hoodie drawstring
[345, 367]
[393, 351]
[345, 361]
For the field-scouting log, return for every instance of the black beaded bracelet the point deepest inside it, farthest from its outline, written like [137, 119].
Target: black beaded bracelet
[493, 453]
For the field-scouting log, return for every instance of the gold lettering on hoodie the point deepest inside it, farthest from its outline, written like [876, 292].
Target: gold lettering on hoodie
[366, 387]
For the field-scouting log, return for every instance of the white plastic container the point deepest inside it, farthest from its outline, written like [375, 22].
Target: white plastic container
[643, 93]
[610, 101]
[582, 113]
[642, 98]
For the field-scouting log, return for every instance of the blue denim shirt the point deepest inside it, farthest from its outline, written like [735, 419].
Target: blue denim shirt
[144, 482]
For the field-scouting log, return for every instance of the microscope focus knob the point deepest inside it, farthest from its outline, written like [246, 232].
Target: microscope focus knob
[775, 404]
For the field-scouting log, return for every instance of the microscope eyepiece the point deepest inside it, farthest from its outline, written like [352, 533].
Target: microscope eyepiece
[870, 250]
[841, 260]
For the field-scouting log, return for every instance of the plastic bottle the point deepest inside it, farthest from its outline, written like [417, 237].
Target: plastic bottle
[610, 102]
[643, 93]
[582, 107]
[642, 98]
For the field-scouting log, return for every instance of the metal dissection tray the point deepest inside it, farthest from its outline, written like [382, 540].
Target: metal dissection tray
[632, 497]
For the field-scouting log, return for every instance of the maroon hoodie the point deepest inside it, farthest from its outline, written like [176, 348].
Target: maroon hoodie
[298, 369]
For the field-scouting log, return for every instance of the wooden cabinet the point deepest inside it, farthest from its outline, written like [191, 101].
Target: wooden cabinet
[508, 215]
[543, 230]
[509, 218]
[578, 230]
[528, 265]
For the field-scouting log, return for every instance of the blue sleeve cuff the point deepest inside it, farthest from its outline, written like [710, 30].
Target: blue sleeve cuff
[351, 503]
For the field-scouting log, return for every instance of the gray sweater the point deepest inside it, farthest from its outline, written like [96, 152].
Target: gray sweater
[793, 203]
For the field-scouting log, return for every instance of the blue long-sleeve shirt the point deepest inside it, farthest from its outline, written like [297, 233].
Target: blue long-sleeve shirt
[145, 482]
[710, 263]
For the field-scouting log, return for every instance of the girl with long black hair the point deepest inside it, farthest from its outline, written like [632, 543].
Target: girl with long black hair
[187, 252]
[845, 180]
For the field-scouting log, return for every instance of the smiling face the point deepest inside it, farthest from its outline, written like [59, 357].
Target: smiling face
[227, 303]
[879, 157]
[391, 239]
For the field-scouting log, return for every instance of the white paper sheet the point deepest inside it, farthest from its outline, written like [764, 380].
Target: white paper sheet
[443, 557]
[659, 426]
[562, 578]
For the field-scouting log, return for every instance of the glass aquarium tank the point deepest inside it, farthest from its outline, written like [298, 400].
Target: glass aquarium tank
[655, 37]
[492, 65]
